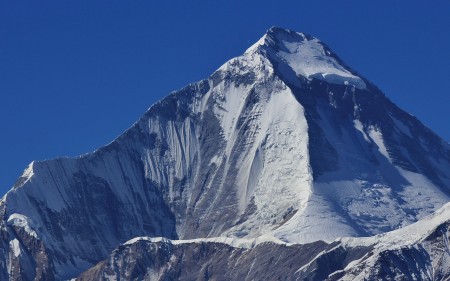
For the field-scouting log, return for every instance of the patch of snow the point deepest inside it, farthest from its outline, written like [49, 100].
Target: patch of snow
[29, 172]
[377, 137]
[21, 221]
[214, 160]
[15, 247]
[359, 126]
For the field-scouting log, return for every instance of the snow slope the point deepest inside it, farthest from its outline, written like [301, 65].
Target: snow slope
[308, 58]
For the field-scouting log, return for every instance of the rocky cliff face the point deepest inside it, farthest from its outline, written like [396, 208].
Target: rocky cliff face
[285, 141]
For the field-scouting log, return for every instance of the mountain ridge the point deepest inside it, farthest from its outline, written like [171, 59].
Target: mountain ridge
[417, 252]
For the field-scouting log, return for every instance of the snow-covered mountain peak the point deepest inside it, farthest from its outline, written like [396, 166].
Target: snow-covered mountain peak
[272, 37]
[306, 56]
[276, 145]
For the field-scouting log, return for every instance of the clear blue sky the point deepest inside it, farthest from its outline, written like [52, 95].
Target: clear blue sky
[76, 74]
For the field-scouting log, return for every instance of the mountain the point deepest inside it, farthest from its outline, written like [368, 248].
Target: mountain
[284, 142]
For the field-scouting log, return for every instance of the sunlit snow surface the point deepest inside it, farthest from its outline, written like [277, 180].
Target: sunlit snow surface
[309, 58]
